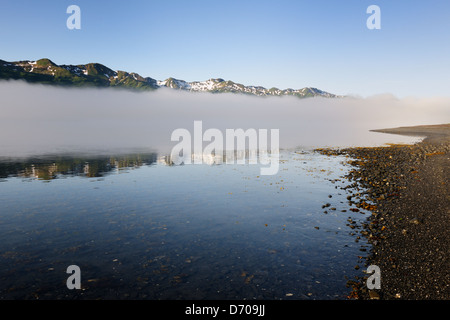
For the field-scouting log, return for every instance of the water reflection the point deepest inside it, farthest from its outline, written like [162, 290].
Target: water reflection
[53, 166]
[175, 232]
[50, 167]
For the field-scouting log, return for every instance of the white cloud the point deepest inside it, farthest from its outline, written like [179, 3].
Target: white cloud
[39, 118]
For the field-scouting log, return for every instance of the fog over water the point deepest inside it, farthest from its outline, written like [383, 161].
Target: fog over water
[39, 118]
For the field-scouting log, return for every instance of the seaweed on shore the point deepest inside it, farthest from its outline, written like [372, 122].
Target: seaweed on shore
[381, 180]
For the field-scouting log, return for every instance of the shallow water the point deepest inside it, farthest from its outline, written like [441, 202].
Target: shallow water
[141, 229]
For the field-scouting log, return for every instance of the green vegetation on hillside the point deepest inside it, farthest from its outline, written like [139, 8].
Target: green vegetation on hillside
[97, 75]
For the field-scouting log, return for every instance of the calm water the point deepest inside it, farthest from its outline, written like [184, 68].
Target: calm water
[141, 229]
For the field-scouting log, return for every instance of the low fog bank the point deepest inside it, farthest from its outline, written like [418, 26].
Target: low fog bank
[41, 119]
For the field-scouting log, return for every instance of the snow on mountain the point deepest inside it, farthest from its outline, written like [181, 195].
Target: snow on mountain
[220, 85]
[100, 75]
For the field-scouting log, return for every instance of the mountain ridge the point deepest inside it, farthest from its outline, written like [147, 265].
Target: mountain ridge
[98, 75]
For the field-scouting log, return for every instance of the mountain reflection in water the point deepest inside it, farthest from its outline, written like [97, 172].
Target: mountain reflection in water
[52, 166]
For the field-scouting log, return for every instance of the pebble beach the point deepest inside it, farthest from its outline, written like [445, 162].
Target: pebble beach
[406, 189]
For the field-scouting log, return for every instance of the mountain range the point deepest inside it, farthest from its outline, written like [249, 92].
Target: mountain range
[94, 74]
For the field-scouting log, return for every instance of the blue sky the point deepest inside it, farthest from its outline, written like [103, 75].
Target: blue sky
[284, 44]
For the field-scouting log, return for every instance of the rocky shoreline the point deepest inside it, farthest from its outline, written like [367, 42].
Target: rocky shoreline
[406, 189]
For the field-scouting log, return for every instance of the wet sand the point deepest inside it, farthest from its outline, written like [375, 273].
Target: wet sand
[437, 133]
[406, 188]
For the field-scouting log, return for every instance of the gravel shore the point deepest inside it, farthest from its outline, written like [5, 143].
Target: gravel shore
[406, 189]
